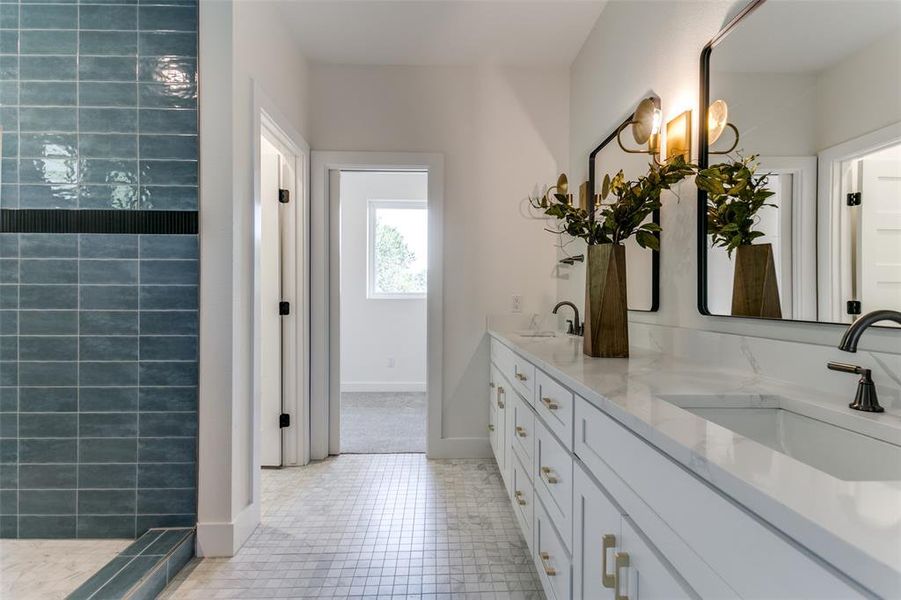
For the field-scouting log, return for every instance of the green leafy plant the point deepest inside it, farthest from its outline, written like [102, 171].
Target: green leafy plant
[617, 221]
[735, 194]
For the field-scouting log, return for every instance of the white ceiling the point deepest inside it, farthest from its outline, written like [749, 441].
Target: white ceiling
[804, 36]
[441, 32]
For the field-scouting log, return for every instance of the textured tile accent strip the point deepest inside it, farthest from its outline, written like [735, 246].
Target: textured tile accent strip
[143, 569]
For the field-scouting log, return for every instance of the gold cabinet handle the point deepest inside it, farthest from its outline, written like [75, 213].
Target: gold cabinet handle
[521, 377]
[500, 389]
[500, 403]
[548, 475]
[500, 392]
[549, 570]
[519, 498]
[551, 405]
[607, 542]
[491, 384]
[621, 561]
[520, 431]
[490, 427]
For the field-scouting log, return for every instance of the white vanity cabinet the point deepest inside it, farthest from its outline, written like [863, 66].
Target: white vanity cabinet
[607, 515]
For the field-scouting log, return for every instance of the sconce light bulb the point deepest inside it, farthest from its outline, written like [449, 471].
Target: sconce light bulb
[657, 122]
[717, 118]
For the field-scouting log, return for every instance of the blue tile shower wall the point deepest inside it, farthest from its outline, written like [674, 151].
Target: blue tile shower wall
[98, 333]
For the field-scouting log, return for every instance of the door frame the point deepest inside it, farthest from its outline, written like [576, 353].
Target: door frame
[325, 388]
[833, 265]
[296, 329]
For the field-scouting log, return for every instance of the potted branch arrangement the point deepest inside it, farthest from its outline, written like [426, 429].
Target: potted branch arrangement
[735, 196]
[605, 230]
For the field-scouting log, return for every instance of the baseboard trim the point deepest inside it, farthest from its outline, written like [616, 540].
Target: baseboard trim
[459, 448]
[225, 539]
[383, 386]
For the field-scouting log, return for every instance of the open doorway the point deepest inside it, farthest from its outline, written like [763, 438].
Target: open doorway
[383, 279]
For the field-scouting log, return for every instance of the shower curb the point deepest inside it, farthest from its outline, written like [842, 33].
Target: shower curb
[142, 570]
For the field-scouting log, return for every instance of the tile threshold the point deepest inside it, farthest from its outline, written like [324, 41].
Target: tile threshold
[143, 569]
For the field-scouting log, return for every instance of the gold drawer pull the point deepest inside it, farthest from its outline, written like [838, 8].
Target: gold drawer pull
[491, 384]
[521, 377]
[548, 476]
[621, 562]
[490, 427]
[607, 542]
[551, 405]
[520, 431]
[500, 403]
[519, 498]
[549, 570]
[500, 389]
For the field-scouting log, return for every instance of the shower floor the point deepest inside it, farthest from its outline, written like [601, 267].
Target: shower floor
[47, 569]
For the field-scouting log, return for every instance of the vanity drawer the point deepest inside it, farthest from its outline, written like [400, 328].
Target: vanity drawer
[520, 372]
[551, 558]
[707, 522]
[523, 499]
[553, 477]
[554, 403]
[522, 432]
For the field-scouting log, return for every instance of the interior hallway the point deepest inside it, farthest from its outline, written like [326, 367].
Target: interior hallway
[377, 526]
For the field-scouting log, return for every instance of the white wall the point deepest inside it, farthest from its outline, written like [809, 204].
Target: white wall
[375, 330]
[501, 132]
[612, 72]
[240, 41]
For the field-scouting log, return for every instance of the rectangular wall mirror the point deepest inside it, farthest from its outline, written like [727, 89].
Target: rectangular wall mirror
[814, 90]
[642, 265]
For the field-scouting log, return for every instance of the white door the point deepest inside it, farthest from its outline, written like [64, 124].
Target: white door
[880, 234]
[597, 534]
[271, 294]
[647, 576]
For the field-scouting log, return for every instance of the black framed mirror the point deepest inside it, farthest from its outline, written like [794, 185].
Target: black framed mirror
[643, 265]
[811, 91]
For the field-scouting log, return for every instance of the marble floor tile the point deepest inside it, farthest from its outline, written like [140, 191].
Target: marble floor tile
[376, 526]
[49, 569]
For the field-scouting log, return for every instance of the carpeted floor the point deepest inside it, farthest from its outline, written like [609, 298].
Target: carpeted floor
[383, 422]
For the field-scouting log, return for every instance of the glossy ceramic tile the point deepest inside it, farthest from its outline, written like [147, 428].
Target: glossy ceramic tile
[376, 526]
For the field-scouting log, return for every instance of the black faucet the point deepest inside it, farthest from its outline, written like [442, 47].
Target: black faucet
[575, 327]
[866, 399]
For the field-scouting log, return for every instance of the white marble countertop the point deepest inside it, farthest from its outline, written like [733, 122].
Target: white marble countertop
[854, 525]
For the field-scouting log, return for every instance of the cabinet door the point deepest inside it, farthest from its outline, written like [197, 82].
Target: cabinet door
[596, 538]
[502, 441]
[643, 573]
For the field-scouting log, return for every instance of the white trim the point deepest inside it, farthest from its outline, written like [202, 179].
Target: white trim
[829, 213]
[383, 386]
[225, 539]
[295, 445]
[325, 349]
[372, 205]
[803, 170]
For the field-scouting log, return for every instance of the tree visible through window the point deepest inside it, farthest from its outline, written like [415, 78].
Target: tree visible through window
[398, 248]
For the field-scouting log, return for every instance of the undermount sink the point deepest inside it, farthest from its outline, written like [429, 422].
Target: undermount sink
[835, 448]
[536, 334]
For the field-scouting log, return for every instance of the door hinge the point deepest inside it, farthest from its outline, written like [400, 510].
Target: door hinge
[854, 199]
[854, 307]
[284, 196]
[284, 420]
[284, 308]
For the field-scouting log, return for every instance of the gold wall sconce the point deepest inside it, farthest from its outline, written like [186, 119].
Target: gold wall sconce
[678, 137]
[645, 123]
[717, 122]
[560, 191]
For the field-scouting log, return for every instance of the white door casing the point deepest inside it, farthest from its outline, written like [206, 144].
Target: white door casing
[880, 234]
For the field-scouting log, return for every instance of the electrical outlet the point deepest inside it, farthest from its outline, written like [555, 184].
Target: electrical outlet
[391, 362]
[516, 303]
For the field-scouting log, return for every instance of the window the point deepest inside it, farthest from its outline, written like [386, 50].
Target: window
[398, 249]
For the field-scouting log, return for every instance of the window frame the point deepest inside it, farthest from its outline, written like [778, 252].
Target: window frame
[372, 206]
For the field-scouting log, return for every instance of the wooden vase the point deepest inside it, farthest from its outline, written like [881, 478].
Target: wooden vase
[755, 291]
[606, 318]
